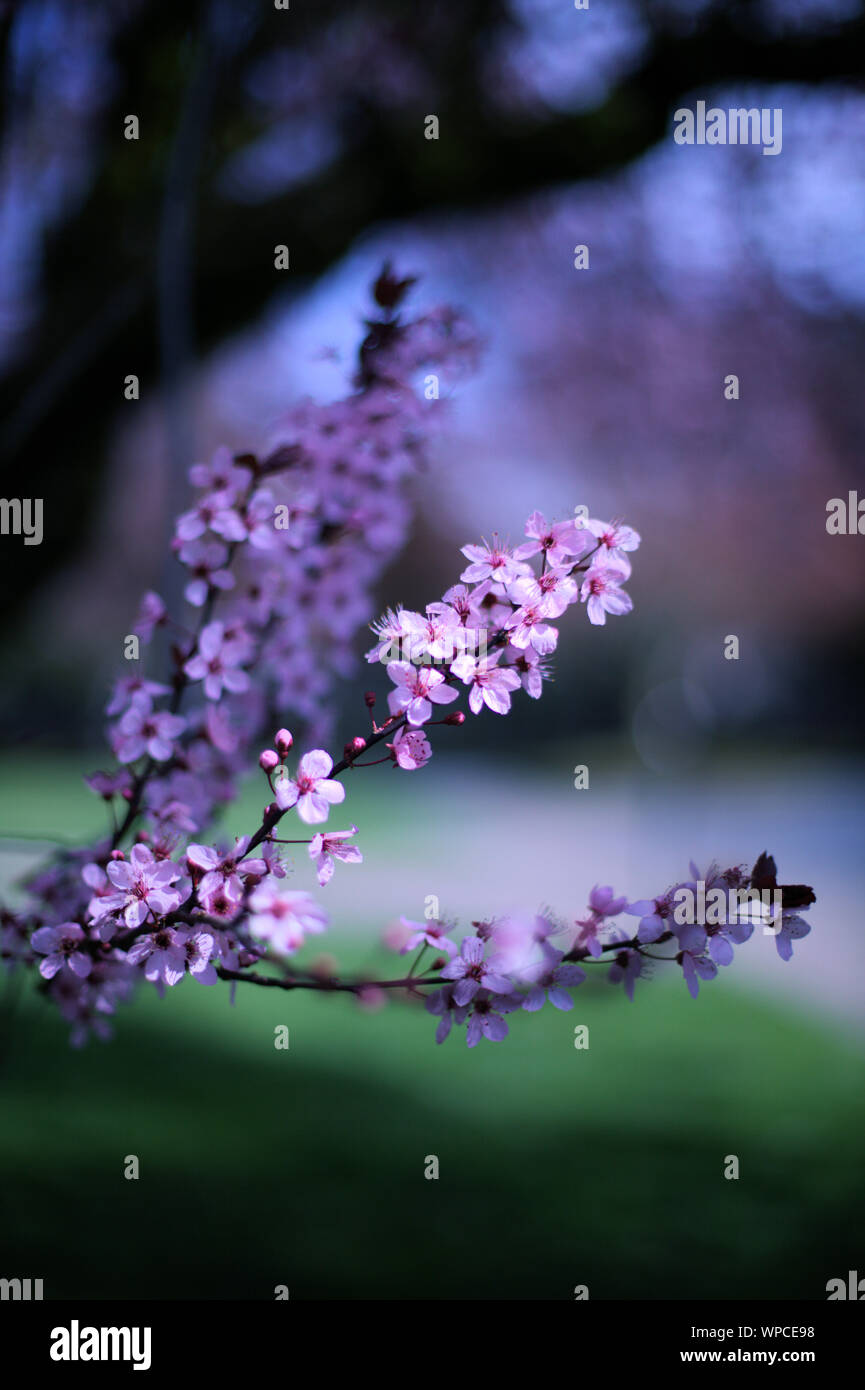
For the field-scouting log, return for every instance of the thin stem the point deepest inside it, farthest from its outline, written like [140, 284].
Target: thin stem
[325, 986]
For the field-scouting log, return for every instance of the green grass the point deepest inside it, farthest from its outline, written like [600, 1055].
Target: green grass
[558, 1166]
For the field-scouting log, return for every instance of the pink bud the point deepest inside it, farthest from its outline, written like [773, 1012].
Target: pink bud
[283, 741]
[117, 854]
[324, 967]
[354, 748]
[456, 718]
[268, 760]
[369, 699]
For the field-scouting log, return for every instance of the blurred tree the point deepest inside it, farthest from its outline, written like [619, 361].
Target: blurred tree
[162, 252]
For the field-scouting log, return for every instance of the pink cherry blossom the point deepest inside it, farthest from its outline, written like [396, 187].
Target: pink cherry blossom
[60, 947]
[528, 627]
[145, 730]
[312, 791]
[491, 684]
[145, 886]
[162, 955]
[554, 588]
[434, 635]
[472, 973]
[217, 662]
[206, 561]
[601, 592]
[213, 511]
[329, 845]
[530, 668]
[615, 539]
[558, 541]
[284, 918]
[151, 615]
[128, 687]
[224, 876]
[495, 561]
[429, 934]
[417, 690]
[221, 475]
[410, 749]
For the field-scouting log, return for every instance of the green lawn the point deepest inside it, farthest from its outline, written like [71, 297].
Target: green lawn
[558, 1167]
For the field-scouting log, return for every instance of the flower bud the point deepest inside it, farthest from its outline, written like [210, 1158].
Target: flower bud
[324, 967]
[117, 854]
[456, 718]
[354, 748]
[369, 699]
[283, 741]
[268, 760]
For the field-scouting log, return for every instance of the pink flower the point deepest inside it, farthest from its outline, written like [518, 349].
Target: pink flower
[221, 475]
[145, 730]
[601, 589]
[555, 588]
[221, 889]
[216, 662]
[206, 562]
[551, 978]
[627, 968]
[430, 933]
[615, 539]
[696, 968]
[531, 670]
[491, 685]
[162, 954]
[152, 614]
[109, 784]
[198, 947]
[59, 946]
[128, 687]
[144, 885]
[214, 511]
[528, 627]
[390, 631]
[494, 561]
[410, 749]
[604, 903]
[284, 918]
[558, 540]
[464, 603]
[313, 791]
[487, 1019]
[327, 846]
[436, 635]
[472, 974]
[417, 689]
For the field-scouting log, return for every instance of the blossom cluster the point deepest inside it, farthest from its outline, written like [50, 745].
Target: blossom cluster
[514, 964]
[494, 629]
[281, 554]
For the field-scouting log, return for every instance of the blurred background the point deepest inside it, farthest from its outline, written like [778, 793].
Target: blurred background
[602, 387]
